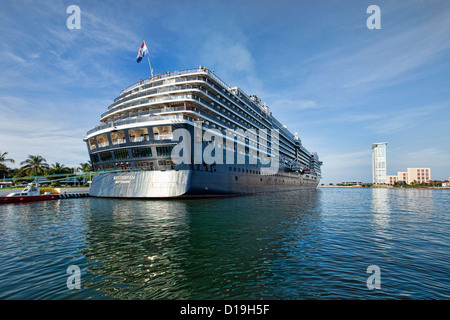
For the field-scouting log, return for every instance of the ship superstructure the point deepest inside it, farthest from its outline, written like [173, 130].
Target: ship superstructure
[230, 143]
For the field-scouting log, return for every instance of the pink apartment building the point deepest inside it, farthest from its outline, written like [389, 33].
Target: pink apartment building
[412, 174]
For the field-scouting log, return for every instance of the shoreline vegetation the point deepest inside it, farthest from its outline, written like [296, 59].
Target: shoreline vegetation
[36, 167]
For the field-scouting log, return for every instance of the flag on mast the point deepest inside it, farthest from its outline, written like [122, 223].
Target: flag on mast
[142, 52]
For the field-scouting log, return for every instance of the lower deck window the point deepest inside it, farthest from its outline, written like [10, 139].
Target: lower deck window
[149, 165]
[105, 156]
[108, 166]
[164, 151]
[141, 152]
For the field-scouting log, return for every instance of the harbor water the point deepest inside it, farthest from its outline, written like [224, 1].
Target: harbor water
[310, 244]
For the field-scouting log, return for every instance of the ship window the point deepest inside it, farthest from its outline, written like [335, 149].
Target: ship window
[102, 141]
[162, 133]
[92, 145]
[164, 151]
[141, 152]
[118, 137]
[94, 158]
[105, 156]
[121, 154]
[144, 165]
[138, 135]
[108, 166]
[123, 165]
[166, 163]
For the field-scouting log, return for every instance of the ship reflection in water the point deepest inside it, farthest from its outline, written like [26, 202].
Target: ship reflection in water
[219, 248]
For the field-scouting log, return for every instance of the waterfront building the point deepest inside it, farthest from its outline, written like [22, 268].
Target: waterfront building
[5, 184]
[379, 162]
[391, 179]
[421, 175]
[351, 183]
[402, 176]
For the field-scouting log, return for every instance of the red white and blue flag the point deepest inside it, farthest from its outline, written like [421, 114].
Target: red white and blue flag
[142, 52]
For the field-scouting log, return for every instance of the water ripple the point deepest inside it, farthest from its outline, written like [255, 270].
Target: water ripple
[312, 244]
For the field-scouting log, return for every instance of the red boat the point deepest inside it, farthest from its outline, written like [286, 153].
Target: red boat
[30, 193]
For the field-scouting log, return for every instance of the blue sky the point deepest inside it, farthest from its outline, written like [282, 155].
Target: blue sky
[318, 67]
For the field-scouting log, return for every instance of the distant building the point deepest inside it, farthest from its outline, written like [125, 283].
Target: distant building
[351, 183]
[379, 162]
[446, 184]
[402, 177]
[421, 175]
[6, 184]
[391, 179]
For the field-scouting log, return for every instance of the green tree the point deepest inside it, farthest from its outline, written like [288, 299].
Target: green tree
[3, 159]
[58, 168]
[34, 165]
[85, 167]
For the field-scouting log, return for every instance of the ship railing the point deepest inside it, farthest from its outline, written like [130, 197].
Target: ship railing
[282, 128]
[154, 100]
[149, 93]
[229, 105]
[174, 74]
[183, 97]
[137, 120]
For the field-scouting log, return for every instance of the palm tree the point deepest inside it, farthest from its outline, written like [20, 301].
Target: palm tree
[4, 170]
[34, 165]
[85, 167]
[58, 168]
[3, 159]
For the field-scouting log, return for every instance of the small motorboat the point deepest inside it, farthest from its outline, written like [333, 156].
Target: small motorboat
[30, 193]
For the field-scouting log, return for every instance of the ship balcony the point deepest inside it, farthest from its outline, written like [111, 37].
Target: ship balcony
[228, 105]
[119, 141]
[164, 136]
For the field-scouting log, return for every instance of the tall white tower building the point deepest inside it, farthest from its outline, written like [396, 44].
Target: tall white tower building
[379, 162]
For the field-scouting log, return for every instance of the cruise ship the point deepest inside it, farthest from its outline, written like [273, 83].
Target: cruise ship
[189, 134]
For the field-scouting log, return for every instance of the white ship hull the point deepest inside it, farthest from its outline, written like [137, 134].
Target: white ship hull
[188, 183]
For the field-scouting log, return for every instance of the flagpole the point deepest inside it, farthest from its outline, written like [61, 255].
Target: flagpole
[151, 70]
[148, 58]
